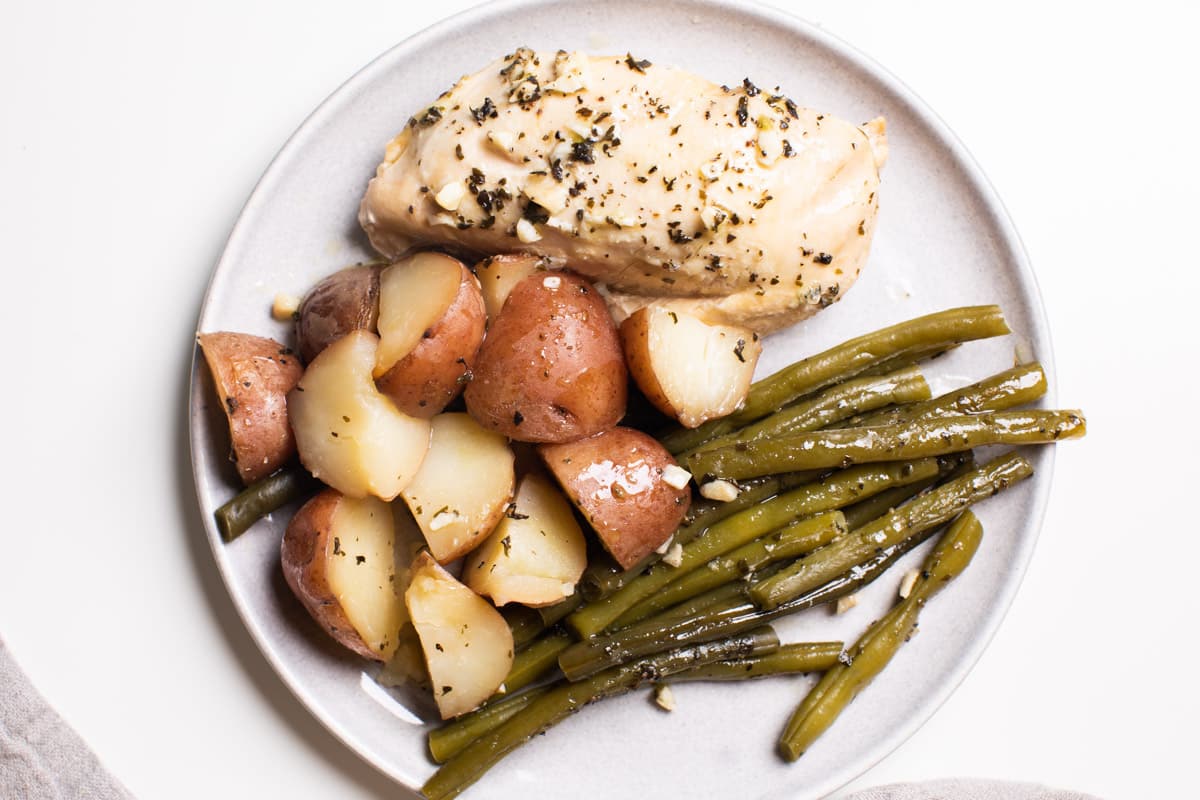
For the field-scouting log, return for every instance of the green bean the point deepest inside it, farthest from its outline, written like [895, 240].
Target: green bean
[839, 402]
[560, 701]
[848, 360]
[524, 622]
[1005, 390]
[881, 641]
[784, 544]
[604, 576]
[789, 659]
[272, 493]
[552, 615]
[722, 612]
[449, 740]
[845, 446]
[864, 511]
[922, 513]
[534, 661]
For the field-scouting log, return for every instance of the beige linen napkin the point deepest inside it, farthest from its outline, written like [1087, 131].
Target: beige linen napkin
[41, 757]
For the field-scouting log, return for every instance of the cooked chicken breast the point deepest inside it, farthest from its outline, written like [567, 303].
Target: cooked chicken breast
[734, 204]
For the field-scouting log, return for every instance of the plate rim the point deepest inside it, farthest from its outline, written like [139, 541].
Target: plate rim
[1001, 220]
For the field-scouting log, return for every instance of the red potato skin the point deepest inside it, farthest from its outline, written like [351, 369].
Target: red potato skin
[551, 368]
[307, 544]
[345, 301]
[253, 376]
[425, 381]
[615, 480]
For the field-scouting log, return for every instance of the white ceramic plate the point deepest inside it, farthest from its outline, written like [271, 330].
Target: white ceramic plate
[943, 240]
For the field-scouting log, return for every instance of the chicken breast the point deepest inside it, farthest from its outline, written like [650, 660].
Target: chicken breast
[733, 204]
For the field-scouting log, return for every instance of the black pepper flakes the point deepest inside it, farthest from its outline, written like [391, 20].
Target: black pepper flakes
[823, 258]
[636, 65]
[743, 110]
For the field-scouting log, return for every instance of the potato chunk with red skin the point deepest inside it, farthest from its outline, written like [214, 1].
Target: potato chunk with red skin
[253, 376]
[347, 300]
[616, 479]
[551, 368]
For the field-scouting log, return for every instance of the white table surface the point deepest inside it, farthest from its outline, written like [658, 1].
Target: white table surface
[131, 133]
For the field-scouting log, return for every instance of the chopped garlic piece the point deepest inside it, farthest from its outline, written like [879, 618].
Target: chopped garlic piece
[442, 519]
[676, 476]
[570, 73]
[552, 281]
[721, 490]
[526, 232]
[502, 141]
[450, 195]
[674, 556]
[846, 603]
[665, 546]
[664, 698]
[908, 582]
[285, 306]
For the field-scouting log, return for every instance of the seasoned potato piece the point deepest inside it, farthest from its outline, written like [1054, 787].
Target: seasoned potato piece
[688, 369]
[253, 376]
[535, 555]
[627, 486]
[499, 274]
[347, 300]
[551, 368]
[338, 556]
[431, 323]
[467, 644]
[463, 486]
[348, 434]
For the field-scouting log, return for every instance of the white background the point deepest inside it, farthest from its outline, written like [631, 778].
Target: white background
[130, 135]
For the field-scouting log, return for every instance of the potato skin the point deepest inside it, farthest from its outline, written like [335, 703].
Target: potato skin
[342, 302]
[425, 381]
[551, 368]
[615, 479]
[253, 376]
[302, 553]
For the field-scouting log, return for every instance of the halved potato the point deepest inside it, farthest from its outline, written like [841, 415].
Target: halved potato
[535, 555]
[689, 369]
[499, 274]
[348, 434]
[338, 556]
[347, 300]
[628, 487]
[431, 324]
[551, 368]
[467, 644]
[253, 376]
[463, 486]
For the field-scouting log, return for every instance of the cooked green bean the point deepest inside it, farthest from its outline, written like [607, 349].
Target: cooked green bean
[272, 493]
[449, 740]
[879, 644]
[722, 612]
[604, 576]
[1005, 390]
[535, 660]
[839, 402]
[789, 659]
[524, 622]
[848, 360]
[922, 513]
[552, 615]
[785, 544]
[864, 511]
[845, 446]
[560, 701]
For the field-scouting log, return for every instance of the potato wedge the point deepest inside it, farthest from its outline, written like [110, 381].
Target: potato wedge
[463, 486]
[467, 644]
[627, 486]
[535, 555]
[347, 300]
[431, 324]
[348, 434]
[551, 368]
[688, 369]
[338, 556]
[253, 376]
[499, 274]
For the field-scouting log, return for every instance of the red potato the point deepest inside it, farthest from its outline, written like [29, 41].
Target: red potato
[253, 376]
[628, 487]
[551, 368]
[499, 274]
[468, 646]
[347, 300]
[431, 324]
[338, 557]
[688, 369]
